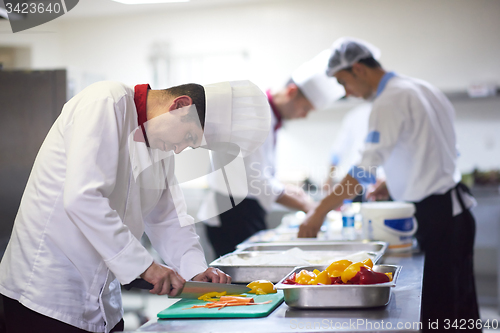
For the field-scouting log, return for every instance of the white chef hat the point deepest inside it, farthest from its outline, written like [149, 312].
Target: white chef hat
[346, 51]
[237, 112]
[319, 89]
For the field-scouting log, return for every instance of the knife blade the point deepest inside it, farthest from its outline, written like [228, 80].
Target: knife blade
[194, 289]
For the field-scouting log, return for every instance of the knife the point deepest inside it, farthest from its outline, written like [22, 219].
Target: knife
[194, 289]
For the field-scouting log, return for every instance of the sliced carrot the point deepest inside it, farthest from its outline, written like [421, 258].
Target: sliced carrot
[237, 299]
[226, 301]
[259, 303]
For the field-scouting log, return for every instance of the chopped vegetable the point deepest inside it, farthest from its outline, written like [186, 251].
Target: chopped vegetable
[211, 295]
[340, 272]
[321, 278]
[261, 287]
[290, 279]
[236, 299]
[304, 277]
[368, 262]
[351, 271]
[337, 267]
[215, 296]
[367, 276]
[228, 301]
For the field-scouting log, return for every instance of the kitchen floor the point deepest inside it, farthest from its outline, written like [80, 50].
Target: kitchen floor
[140, 306]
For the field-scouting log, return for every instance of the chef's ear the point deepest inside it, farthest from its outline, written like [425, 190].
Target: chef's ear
[180, 102]
[358, 69]
[292, 90]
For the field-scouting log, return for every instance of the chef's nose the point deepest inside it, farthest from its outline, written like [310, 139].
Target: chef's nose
[178, 148]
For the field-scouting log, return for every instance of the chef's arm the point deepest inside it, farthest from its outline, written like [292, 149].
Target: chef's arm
[329, 181]
[172, 234]
[346, 189]
[295, 198]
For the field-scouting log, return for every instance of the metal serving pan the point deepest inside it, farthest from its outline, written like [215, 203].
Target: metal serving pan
[339, 296]
[275, 272]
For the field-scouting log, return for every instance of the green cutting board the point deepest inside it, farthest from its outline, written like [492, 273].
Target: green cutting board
[179, 309]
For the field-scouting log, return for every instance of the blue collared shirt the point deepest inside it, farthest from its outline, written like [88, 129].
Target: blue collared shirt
[383, 82]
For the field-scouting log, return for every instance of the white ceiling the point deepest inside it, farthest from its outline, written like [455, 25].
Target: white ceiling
[100, 8]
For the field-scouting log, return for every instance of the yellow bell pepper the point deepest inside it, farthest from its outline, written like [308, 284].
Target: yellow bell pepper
[368, 262]
[351, 271]
[322, 278]
[337, 267]
[304, 277]
[261, 287]
[211, 295]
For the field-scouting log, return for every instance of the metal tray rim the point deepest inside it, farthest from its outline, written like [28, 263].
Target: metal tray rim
[241, 247]
[216, 261]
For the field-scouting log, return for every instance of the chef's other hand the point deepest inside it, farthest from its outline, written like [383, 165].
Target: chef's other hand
[311, 225]
[213, 275]
[166, 281]
[378, 192]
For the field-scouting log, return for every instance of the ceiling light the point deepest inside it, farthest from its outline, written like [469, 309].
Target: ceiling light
[144, 2]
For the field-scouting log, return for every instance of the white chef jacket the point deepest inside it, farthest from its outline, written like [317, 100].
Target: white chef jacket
[76, 234]
[260, 167]
[411, 133]
[350, 141]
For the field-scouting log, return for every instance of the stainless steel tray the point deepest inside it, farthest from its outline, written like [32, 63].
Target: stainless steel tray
[339, 296]
[275, 272]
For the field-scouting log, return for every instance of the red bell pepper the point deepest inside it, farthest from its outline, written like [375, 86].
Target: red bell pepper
[290, 279]
[367, 276]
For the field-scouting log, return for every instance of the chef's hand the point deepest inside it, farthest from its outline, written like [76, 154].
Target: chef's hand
[166, 281]
[294, 197]
[378, 192]
[311, 225]
[213, 275]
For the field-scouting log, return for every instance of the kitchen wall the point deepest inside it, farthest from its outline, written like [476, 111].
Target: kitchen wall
[450, 43]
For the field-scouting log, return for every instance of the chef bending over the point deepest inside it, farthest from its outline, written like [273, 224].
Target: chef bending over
[101, 179]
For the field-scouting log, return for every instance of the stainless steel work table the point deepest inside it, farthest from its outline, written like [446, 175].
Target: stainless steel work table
[401, 314]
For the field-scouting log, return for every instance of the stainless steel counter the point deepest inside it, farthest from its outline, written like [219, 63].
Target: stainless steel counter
[401, 314]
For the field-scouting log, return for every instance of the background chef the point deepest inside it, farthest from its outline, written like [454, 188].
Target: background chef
[308, 89]
[88, 202]
[348, 144]
[411, 133]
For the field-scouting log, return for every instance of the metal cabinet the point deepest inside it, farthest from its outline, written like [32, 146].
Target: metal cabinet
[30, 101]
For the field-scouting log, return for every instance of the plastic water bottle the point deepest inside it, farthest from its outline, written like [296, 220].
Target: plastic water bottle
[348, 231]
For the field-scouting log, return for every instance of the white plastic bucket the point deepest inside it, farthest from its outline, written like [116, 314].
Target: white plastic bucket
[390, 221]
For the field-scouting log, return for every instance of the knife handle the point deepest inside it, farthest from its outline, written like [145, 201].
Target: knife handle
[139, 284]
